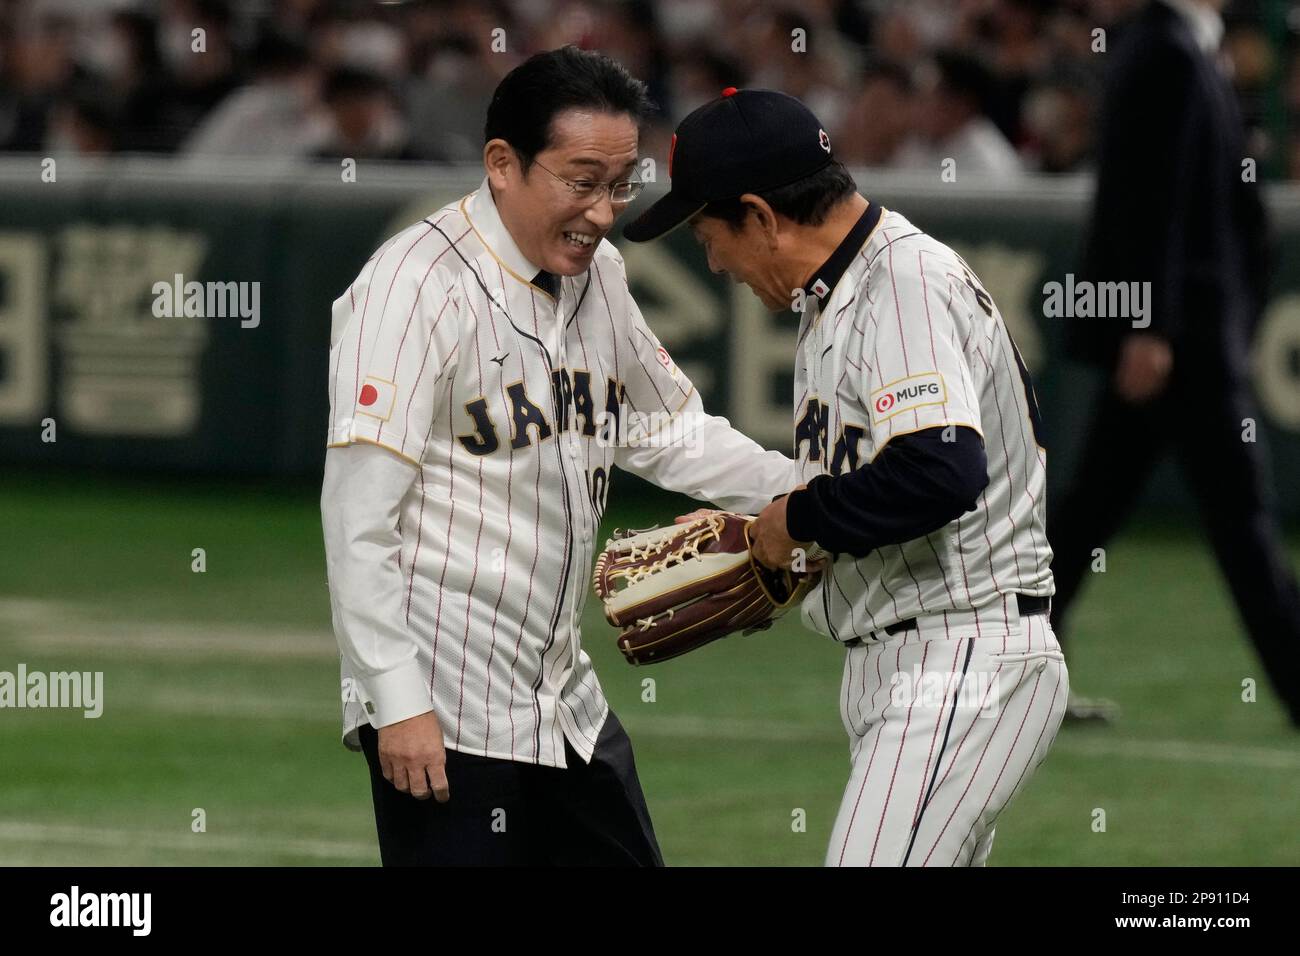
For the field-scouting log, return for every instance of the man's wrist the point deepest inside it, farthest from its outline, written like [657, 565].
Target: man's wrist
[801, 513]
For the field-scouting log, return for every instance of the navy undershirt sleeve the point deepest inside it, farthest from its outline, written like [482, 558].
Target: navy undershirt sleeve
[917, 484]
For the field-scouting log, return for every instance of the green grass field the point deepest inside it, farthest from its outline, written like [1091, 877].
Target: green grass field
[221, 693]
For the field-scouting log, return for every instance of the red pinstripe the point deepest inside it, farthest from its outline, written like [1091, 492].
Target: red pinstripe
[1006, 361]
[866, 776]
[1012, 749]
[929, 324]
[871, 618]
[920, 600]
[649, 341]
[1055, 692]
[338, 359]
[885, 587]
[528, 604]
[839, 421]
[992, 736]
[557, 734]
[446, 555]
[415, 387]
[1006, 458]
[334, 383]
[925, 774]
[898, 661]
[501, 590]
[419, 528]
[361, 333]
[594, 522]
[573, 642]
[473, 578]
[902, 336]
[418, 291]
[848, 683]
[636, 354]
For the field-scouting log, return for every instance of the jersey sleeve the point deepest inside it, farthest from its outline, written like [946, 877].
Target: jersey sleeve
[360, 504]
[914, 370]
[667, 438]
[396, 332]
[652, 382]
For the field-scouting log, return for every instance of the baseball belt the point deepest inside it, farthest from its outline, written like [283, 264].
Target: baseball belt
[1027, 604]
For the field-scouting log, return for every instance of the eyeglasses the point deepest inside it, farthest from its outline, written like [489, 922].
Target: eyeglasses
[620, 193]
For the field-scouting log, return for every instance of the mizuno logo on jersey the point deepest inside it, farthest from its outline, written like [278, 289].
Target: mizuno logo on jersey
[909, 393]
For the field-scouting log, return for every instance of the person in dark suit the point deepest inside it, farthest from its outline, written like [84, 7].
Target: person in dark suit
[1172, 208]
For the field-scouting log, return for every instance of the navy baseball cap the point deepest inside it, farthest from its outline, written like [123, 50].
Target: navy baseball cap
[745, 141]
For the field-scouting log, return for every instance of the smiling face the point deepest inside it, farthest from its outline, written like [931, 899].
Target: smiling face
[747, 253]
[554, 228]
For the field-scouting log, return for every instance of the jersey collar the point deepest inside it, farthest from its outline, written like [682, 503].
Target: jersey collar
[485, 219]
[824, 280]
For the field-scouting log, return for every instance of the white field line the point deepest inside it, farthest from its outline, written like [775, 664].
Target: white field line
[741, 730]
[1175, 751]
[229, 705]
[1184, 751]
[66, 626]
[22, 832]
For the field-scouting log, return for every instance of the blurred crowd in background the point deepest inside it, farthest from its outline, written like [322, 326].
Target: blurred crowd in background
[1002, 86]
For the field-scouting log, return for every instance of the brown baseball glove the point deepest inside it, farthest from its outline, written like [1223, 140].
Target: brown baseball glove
[674, 589]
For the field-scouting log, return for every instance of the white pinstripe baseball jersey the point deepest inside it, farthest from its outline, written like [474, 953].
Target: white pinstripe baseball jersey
[501, 397]
[907, 339]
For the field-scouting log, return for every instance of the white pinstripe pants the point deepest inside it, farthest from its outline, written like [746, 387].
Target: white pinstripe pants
[946, 725]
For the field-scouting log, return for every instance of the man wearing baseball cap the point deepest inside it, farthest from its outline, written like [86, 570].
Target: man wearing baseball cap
[917, 430]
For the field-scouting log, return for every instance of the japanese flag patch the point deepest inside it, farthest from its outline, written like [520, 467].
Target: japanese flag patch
[376, 398]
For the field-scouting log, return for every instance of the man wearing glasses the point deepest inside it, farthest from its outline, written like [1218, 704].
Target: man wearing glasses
[487, 367]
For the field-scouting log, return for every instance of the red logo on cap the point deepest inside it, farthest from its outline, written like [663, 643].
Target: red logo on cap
[672, 148]
[729, 91]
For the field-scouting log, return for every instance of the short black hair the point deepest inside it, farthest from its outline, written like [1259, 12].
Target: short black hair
[546, 84]
[807, 201]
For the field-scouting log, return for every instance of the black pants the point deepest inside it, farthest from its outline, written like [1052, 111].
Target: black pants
[504, 813]
[1199, 418]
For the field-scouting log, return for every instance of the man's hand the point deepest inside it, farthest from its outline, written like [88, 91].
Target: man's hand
[771, 542]
[1145, 362]
[413, 758]
[694, 515]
